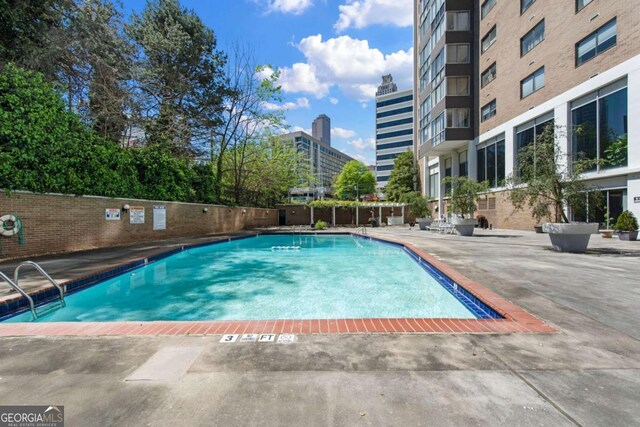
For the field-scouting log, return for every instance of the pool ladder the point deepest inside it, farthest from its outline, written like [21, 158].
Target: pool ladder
[362, 231]
[15, 284]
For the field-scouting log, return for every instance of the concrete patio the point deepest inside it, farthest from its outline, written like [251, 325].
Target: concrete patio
[587, 374]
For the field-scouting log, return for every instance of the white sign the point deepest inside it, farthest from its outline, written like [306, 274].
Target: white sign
[136, 215]
[229, 338]
[159, 217]
[249, 338]
[286, 339]
[267, 338]
[112, 214]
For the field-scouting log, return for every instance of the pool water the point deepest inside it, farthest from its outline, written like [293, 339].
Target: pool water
[268, 277]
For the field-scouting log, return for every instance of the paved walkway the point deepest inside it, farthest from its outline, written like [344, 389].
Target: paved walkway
[587, 374]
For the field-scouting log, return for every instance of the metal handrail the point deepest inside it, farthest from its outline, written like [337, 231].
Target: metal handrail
[361, 230]
[32, 306]
[44, 273]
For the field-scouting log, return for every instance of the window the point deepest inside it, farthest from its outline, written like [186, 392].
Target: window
[394, 123]
[433, 182]
[394, 101]
[532, 83]
[491, 162]
[458, 21]
[529, 133]
[437, 130]
[448, 170]
[601, 128]
[394, 134]
[458, 86]
[532, 38]
[457, 117]
[463, 168]
[394, 112]
[488, 75]
[489, 110]
[487, 6]
[437, 68]
[580, 4]
[489, 39]
[597, 42]
[524, 5]
[457, 54]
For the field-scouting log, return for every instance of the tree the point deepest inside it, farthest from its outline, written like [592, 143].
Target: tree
[417, 204]
[354, 181]
[179, 75]
[244, 118]
[465, 193]
[402, 178]
[546, 181]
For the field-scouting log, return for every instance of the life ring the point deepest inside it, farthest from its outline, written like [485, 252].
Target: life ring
[14, 228]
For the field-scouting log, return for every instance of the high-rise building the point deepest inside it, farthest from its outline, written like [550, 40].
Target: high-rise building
[321, 129]
[394, 127]
[491, 74]
[322, 161]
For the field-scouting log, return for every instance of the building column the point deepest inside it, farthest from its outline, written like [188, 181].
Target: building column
[633, 153]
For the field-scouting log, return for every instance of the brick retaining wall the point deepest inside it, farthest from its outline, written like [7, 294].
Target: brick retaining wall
[65, 223]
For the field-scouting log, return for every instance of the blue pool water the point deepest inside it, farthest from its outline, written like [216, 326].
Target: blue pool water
[329, 276]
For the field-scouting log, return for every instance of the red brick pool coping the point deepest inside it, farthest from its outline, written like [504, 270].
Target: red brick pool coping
[515, 320]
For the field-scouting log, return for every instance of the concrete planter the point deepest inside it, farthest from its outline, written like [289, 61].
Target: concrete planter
[464, 227]
[572, 237]
[628, 235]
[423, 223]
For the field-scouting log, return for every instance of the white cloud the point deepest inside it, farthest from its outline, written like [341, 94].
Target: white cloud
[363, 13]
[342, 133]
[366, 159]
[333, 101]
[300, 129]
[348, 63]
[295, 7]
[299, 103]
[363, 144]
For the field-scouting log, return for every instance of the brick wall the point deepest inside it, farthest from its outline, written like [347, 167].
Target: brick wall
[63, 223]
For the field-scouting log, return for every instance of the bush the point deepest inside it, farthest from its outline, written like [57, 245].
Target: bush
[320, 225]
[626, 222]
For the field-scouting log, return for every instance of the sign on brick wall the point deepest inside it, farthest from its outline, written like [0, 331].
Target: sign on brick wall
[159, 217]
[136, 215]
[112, 214]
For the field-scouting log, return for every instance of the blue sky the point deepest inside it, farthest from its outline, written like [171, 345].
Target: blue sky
[331, 55]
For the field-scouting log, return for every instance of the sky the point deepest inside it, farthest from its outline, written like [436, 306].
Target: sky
[331, 55]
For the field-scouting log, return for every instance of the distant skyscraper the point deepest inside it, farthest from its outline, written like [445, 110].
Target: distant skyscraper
[387, 86]
[321, 129]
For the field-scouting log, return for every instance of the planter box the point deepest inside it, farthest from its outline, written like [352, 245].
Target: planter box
[538, 229]
[628, 235]
[572, 237]
[464, 227]
[606, 234]
[423, 223]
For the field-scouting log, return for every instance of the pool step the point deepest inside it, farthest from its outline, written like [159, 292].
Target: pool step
[285, 248]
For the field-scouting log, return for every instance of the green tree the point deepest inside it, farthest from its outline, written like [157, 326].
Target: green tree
[465, 194]
[179, 75]
[547, 182]
[403, 177]
[354, 181]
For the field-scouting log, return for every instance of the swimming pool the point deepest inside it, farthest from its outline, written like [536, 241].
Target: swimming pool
[275, 277]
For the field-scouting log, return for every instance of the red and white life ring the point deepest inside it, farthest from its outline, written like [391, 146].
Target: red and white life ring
[9, 230]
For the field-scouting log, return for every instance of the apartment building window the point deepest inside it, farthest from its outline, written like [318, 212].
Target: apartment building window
[581, 4]
[448, 172]
[600, 126]
[457, 53]
[532, 83]
[437, 130]
[489, 39]
[532, 39]
[488, 75]
[458, 86]
[487, 6]
[528, 133]
[463, 168]
[457, 117]
[438, 93]
[489, 110]
[433, 182]
[525, 4]
[458, 21]
[597, 42]
[491, 162]
[437, 68]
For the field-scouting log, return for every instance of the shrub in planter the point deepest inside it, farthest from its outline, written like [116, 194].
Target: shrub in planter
[320, 225]
[465, 193]
[627, 226]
